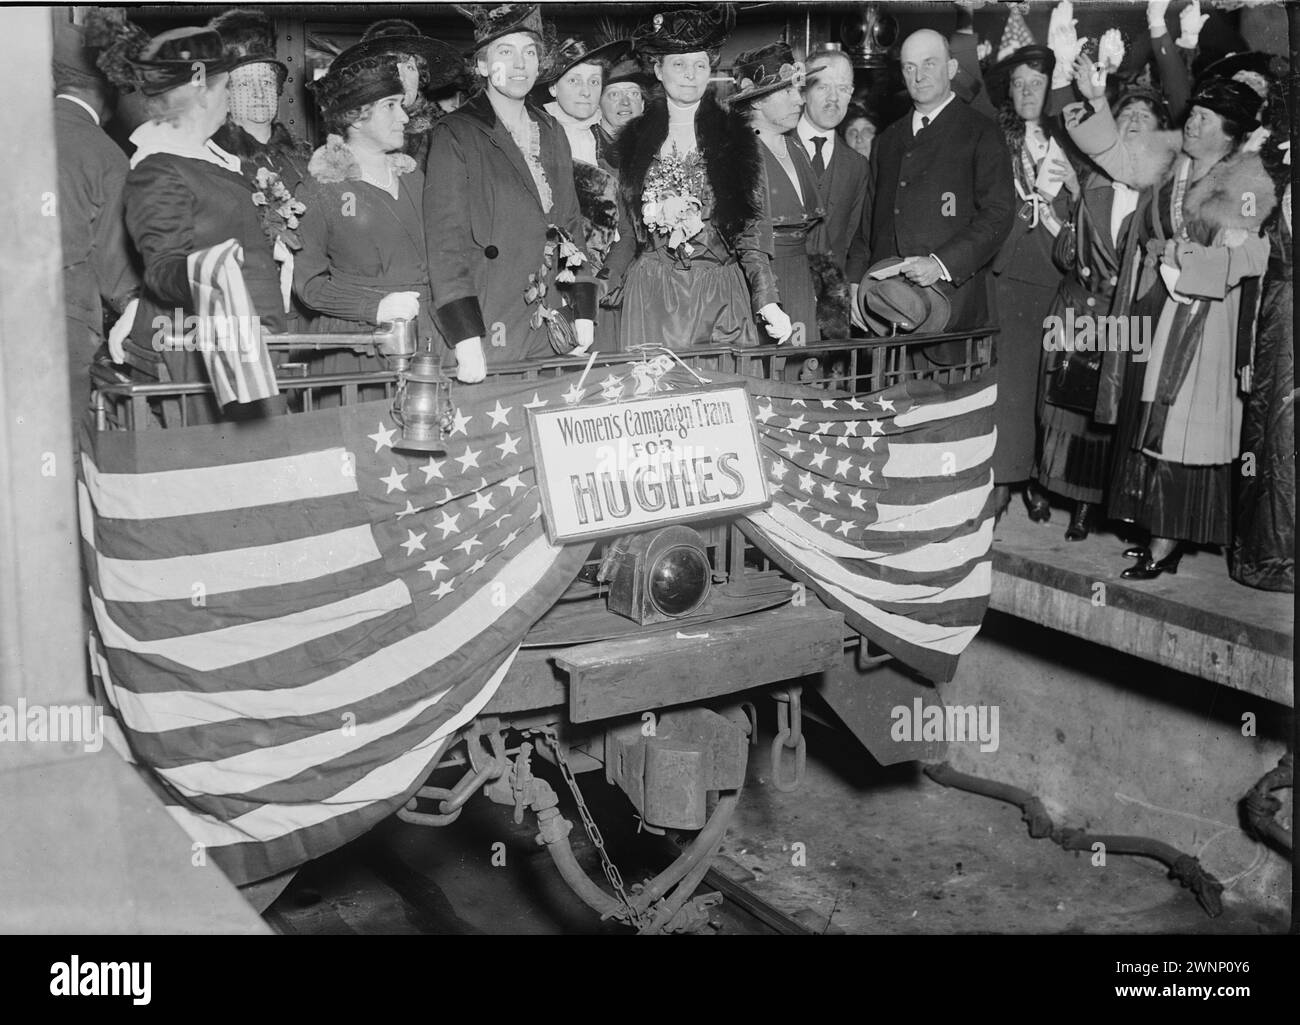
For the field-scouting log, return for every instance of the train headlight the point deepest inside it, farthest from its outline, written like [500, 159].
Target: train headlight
[657, 576]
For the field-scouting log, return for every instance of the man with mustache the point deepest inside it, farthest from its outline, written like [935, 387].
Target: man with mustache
[841, 175]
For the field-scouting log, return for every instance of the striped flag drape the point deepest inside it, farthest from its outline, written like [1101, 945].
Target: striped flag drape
[229, 333]
[883, 505]
[293, 618]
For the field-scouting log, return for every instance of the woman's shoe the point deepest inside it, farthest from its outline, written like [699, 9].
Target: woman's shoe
[1078, 528]
[1149, 569]
[1040, 510]
[1141, 552]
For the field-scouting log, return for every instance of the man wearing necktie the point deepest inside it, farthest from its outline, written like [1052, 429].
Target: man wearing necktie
[841, 172]
[940, 191]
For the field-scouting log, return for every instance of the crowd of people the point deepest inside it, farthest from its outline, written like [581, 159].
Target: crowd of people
[605, 192]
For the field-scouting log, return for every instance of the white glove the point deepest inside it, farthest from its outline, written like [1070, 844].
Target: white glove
[471, 366]
[1110, 50]
[776, 322]
[1156, 10]
[398, 306]
[585, 332]
[117, 335]
[1064, 42]
[1190, 22]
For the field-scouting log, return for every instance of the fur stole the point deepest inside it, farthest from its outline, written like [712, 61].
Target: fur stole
[1153, 157]
[731, 155]
[597, 191]
[334, 163]
[832, 291]
[1223, 198]
[237, 142]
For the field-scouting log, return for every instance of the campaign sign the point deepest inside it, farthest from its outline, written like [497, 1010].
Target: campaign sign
[626, 466]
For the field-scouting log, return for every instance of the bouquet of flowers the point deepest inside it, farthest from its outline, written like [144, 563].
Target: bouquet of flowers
[670, 202]
[558, 325]
[280, 211]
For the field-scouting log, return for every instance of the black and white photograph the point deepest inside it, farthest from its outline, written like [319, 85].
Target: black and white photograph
[621, 469]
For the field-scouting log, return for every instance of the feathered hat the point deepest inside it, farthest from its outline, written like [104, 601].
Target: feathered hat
[356, 78]
[494, 22]
[572, 52]
[766, 70]
[249, 37]
[685, 30]
[133, 61]
[397, 38]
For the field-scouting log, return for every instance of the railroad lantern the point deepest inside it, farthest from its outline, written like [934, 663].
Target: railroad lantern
[657, 576]
[422, 406]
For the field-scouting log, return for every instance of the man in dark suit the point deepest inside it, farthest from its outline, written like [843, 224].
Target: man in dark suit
[841, 171]
[940, 192]
[97, 262]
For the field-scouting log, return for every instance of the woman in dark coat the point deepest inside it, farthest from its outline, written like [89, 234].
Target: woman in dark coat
[1074, 449]
[768, 91]
[1196, 246]
[184, 193]
[1024, 274]
[1263, 552]
[363, 258]
[701, 272]
[498, 184]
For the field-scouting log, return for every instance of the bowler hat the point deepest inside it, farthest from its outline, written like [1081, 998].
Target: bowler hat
[895, 304]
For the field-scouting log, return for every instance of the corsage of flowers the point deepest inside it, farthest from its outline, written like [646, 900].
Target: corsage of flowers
[280, 211]
[558, 325]
[670, 202]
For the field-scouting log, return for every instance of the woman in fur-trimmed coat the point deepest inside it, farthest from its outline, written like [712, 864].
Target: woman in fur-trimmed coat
[1195, 246]
[714, 286]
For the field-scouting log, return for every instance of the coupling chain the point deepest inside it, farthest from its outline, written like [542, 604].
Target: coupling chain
[593, 832]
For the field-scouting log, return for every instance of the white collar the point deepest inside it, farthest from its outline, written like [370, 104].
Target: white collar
[152, 137]
[806, 131]
[917, 115]
[80, 103]
[582, 144]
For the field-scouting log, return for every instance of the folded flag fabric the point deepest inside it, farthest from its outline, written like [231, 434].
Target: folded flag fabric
[293, 618]
[229, 330]
[883, 505]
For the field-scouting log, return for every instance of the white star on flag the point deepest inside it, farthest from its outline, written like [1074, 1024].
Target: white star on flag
[797, 423]
[799, 505]
[469, 544]
[830, 491]
[410, 510]
[864, 474]
[792, 449]
[448, 525]
[823, 519]
[876, 427]
[513, 483]
[433, 568]
[509, 447]
[468, 459]
[383, 437]
[574, 395]
[828, 403]
[869, 443]
[819, 458]
[806, 482]
[461, 422]
[842, 467]
[854, 403]
[478, 565]
[851, 428]
[611, 381]
[482, 503]
[778, 469]
[844, 527]
[431, 469]
[500, 417]
[764, 414]
[886, 405]
[537, 402]
[443, 589]
[394, 481]
[856, 500]
[414, 542]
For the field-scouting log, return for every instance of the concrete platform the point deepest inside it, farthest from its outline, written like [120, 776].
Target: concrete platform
[1200, 622]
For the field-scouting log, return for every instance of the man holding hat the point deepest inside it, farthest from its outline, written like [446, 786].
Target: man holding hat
[98, 270]
[940, 193]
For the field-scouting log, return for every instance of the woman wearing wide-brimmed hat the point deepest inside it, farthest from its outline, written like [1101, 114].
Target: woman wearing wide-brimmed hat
[364, 258]
[769, 85]
[423, 64]
[1198, 242]
[184, 193]
[694, 256]
[500, 206]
